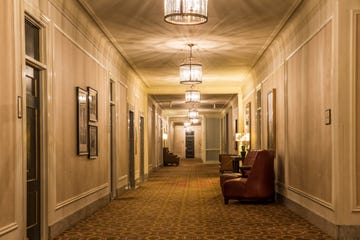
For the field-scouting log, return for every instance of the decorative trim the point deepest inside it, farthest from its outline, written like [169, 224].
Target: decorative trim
[355, 14]
[78, 46]
[9, 228]
[312, 198]
[309, 38]
[335, 231]
[111, 38]
[80, 196]
[68, 221]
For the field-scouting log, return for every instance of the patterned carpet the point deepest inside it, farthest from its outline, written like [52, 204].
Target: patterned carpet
[185, 203]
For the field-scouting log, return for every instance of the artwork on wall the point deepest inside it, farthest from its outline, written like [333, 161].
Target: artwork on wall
[247, 125]
[271, 120]
[93, 104]
[93, 141]
[236, 130]
[82, 121]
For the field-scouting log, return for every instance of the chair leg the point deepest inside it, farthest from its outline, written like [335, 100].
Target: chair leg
[226, 201]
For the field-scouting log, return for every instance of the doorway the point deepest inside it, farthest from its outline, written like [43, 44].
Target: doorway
[32, 153]
[131, 151]
[142, 157]
[189, 143]
[112, 141]
[33, 171]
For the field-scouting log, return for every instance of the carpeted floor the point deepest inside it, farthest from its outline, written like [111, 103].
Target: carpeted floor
[185, 203]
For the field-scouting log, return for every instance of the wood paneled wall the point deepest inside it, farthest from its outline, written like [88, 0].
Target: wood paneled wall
[10, 162]
[309, 137]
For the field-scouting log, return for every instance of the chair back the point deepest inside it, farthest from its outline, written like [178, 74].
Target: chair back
[261, 178]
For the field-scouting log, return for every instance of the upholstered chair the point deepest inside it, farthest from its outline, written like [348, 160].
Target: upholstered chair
[259, 185]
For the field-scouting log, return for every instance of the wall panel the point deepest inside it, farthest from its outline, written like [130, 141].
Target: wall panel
[309, 138]
[357, 94]
[74, 67]
[8, 120]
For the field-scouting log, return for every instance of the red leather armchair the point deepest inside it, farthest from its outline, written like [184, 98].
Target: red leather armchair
[245, 170]
[170, 158]
[259, 185]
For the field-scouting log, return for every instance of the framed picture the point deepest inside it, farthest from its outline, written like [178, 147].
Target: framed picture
[93, 141]
[93, 104]
[247, 124]
[271, 120]
[236, 130]
[82, 121]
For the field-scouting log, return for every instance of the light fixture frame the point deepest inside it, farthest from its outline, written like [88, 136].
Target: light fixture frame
[190, 72]
[192, 96]
[193, 113]
[183, 12]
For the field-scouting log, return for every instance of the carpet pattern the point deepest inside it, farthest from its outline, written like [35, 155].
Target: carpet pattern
[185, 202]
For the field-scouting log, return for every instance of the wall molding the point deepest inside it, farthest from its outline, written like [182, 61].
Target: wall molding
[312, 198]
[79, 46]
[8, 228]
[66, 222]
[349, 232]
[306, 41]
[355, 14]
[80, 196]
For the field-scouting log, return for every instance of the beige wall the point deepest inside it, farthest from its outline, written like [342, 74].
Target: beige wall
[11, 167]
[76, 54]
[310, 65]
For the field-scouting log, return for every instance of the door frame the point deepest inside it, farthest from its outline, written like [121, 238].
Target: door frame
[112, 145]
[45, 123]
[131, 159]
[142, 146]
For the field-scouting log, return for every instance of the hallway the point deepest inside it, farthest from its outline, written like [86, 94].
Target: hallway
[185, 202]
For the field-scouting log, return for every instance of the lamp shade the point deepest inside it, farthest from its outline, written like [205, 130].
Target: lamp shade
[185, 12]
[190, 71]
[165, 136]
[193, 113]
[194, 120]
[192, 96]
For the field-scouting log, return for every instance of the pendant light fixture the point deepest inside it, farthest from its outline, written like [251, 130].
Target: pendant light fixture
[193, 113]
[192, 96]
[190, 72]
[185, 12]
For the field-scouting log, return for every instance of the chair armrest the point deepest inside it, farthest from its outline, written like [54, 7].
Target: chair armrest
[246, 167]
[244, 170]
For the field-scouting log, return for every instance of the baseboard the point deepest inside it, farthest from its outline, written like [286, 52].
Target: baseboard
[339, 232]
[64, 224]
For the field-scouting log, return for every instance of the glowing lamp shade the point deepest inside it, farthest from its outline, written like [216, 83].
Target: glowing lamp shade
[165, 136]
[187, 124]
[185, 12]
[190, 73]
[192, 96]
[194, 121]
[193, 114]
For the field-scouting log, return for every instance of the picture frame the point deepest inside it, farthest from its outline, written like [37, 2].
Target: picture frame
[82, 121]
[93, 104]
[247, 118]
[271, 120]
[93, 141]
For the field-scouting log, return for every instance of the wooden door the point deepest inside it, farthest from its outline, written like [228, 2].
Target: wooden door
[189, 139]
[33, 153]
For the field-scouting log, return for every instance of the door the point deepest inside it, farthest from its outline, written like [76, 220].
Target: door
[142, 157]
[112, 140]
[131, 151]
[32, 153]
[189, 139]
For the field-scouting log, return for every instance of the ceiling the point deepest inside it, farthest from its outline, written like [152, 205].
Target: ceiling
[228, 45]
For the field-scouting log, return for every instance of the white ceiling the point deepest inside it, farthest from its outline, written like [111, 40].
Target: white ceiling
[228, 45]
